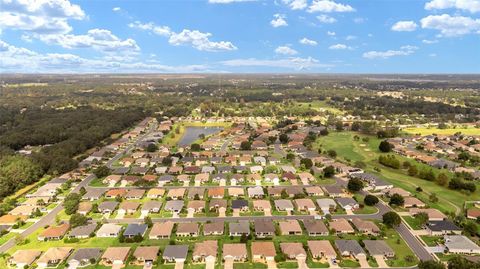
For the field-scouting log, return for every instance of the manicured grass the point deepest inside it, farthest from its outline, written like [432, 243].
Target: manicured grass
[288, 264]
[413, 222]
[349, 263]
[431, 241]
[401, 249]
[448, 131]
[313, 264]
[7, 237]
[247, 265]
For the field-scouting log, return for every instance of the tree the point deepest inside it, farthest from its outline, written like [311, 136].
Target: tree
[324, 132]
[329, 171]
[195, 147]
[284, 194]
[371, 200]
[385, 146]
[391, 219]
[148, 221]
[152, 147]
[332, 153]
[77, 220]
[470, 228]
[430, 265]
[412, 170]
[397, 200]
[283, 138]
[459, 262]
[307, 163]
[71, 203]
[246, 145]
[102, 171]
[422, 218]
[355, 185]
[290, 156]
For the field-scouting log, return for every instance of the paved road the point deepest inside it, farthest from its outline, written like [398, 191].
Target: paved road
[277, 148]
[414, 243]
[50, 216]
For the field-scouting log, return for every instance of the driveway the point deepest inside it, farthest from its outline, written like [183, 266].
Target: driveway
[221, 212]
[236, 213]
[143, 215]
[267, 212]
[301, 261]
[120, 215]
[363, 261]
[271, 264]
[210, 263]
[381, 261]
[223, 182]
[179, 264]
[228, 263]
[190, 213]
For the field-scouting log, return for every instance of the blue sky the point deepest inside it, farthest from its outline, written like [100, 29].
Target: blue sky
[307, 36]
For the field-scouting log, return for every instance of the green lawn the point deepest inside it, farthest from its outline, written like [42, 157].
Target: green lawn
[431, 241]
[448, 131]
[348, 263]
[413, 222]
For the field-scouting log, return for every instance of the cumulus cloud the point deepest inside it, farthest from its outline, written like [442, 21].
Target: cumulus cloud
[39, 16]
[326, 19]
[339, 47]
[278, 20]
[450, 26]
[285, 50]
[294, 63]
[331, 33]
[194, 38]
[404, 26]
[15, 59]
[296, 4]
[471, 6]
[328, 6]
[116, 9]
[403, 51]
[427, 41]
[309, 42]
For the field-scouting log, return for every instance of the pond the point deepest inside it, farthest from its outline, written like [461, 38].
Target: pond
[192, 133]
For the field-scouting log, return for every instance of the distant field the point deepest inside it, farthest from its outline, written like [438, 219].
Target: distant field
[449, 131]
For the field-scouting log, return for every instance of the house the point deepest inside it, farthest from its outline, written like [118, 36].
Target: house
[151, 207]
[262, 205]
[46, 192]
[433, 214]
[128, 207]
[113, 193]
[239, 228]
[216, 192]
[23, 210]
[93, 194]
[473, 213]
[293, 250]
[164, 179]
[54, 256]
[176, 193]
[217, 204]
[135, 229]
[240, 204]
[379, 248]
[115, 256]
[202, 178]
[84, 257]
[347, 203]
[410, 202]
[341, 226]
[350, 248]
[460, 244]
[196, 193]
[235, 252]
[315, 227]
[283, 205]
[236, 192]
[134, 194]
[174, 206]
[365, 226]
[206, 250]
[155, 193]
[146, 255]
[255, 192]
[54, 232]
[305, 204]
[264, 228]
[275, 191]
[111, 180]
[196, 206]
[334, 191]
[22, 258]
[109, 230]
[399, 191]
[107, 207]
[272, 178]
[175, 253]
[321, 249]
[260, 160]
[263, 251]
[161, 230]
[214, 228]
[314, 191]
[83, 231]
[187, 229]
[442, 227]
[326, 205]
[290, 227]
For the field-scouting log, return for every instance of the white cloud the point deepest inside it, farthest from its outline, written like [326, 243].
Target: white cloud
[326, 19]
[471, 6]
[451, 26]
[328, 6]
[296, 4]
[339, 47]
[285, 50]
[427, 41]
[331, 33]
[350, 37]
[295, 63]
[39, 16]
[404, 26]
[22, 60]
[403, 51]
[98, 39]
[228, 1]
[306, 41]
[196, 39]
[359, 20]
[278, 20]
[116, 9]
